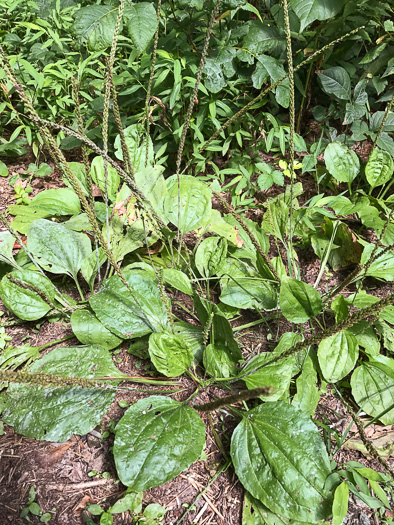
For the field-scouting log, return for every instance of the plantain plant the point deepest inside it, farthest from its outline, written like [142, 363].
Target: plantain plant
[125, 246]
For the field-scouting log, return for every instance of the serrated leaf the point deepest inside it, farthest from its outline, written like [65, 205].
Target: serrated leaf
[338, 355]
[119, 312]
[310, 10]
[95, 26]
[336, 81]
[26, 303]
[141, 22]
[57, 249]
[373, 387]
[299, 301]
[379, 168]
[156, 440]
[90, 331]
[60, 201]
[281, 460]
[170, 354]
[55, 414]
[195, 203]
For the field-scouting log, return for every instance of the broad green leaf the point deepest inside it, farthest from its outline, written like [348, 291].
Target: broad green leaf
[78, 170]
[247, 292]
[135, 138]
[3, 169]
[277, 375]
[310, 10]
[62, 201]
[57, 249]
[336, 81]
[382, 267]
[89, 266]
[141, 22]
[170, 354]
[130, 501]
[98, 175]
[7, 241]
[152, 184]
[106, 519]
[245, 248]
[118, 310]
[340, 504]
[195, 203]
[55, 414]
[210, 256]
[281, 460]
[307, 396]
[379, 168]
[270, 67]
[193, 336]
[156, 440]
[299, 301]
[342, 163]
[24, 301]
[178, 280]
[338, 355]
[24, 216]
[373, 387]
[90, 331]
[366, 337]
[95, 26]
[263, 37]
[219, 361]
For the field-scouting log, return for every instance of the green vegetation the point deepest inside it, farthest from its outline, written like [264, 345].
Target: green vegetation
[171, 106]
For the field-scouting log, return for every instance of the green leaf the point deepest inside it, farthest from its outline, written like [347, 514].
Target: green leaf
[152, 184]
[57, 249]
[210, 256]
[170, 354]
[24, 216]
[156, 440]
[340, 504]
[248, 292]
[95, 510]
[35, 509]
[55, 414]
[373, 387]
[342, 163]
[178, 280]
[268, 66]
[141, 22]
[106, 519]
[57, 202]
[95, 26]
[263, 37]
[195, 203]
[219, 361]
[278, 374]
[193, 336]
[3, 169]
[281, 460]
[89, 266]
[338, 355]
[90, 331]
[121, 314]
[26, 303]
[45, 518]
[336, 81]
[98, 175]
[299, 301]
[379, 168]
[307, 396]
[310, 10]
[135, 138]
[129, 502]
[78, 169]
[154, 511]
[382, 267]
[7, 241]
